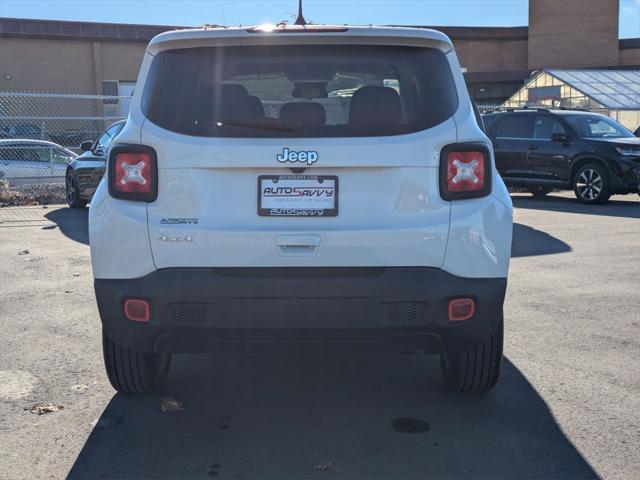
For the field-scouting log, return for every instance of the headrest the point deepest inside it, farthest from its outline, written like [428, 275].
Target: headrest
[255, 107]
[309, 114]
[375, 108]
[237, 104]
[234, 90]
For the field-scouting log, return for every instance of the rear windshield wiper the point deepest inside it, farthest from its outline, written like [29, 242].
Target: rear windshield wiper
[263, 124]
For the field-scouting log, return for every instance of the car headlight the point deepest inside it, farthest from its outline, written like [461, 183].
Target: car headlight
[634, 152]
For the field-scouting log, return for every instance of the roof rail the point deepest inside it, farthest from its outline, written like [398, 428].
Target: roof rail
[517, 109]
[529, 107]
[526, 108]
[574, 108]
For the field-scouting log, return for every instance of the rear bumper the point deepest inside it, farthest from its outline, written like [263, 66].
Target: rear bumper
[193, 309]
[88, 179]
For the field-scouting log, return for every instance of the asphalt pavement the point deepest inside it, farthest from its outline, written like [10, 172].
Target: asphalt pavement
[567, 404]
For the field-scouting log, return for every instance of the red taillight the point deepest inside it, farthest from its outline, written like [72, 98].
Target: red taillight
[464, 171]
[461, 309]
[136, 310]
[133, 173]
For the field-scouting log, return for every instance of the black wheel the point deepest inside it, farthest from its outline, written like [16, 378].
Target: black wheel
[477, 369]
[591, 183]
[72, 193]
[130, 371]
[539, 190]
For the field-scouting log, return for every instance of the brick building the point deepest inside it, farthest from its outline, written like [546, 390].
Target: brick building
[83, 57]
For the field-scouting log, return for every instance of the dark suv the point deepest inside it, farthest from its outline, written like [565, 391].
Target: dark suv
[543, 149]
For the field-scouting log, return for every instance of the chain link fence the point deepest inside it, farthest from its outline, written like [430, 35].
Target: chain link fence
[65, 119]
[40, 133]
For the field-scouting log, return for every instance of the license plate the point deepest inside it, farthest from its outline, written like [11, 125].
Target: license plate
[297, 195]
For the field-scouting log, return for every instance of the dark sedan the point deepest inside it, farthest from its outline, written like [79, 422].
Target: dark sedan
[85, 172]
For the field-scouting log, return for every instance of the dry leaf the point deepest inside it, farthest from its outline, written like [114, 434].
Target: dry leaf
[48, 408]
[69, 291]
[170, 404]
[23, 252]
[11, 195]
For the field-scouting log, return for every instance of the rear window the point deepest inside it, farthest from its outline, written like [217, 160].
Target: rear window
[299, 91]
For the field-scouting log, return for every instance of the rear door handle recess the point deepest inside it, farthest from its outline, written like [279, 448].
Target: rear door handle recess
[532, 147]
[297, 245]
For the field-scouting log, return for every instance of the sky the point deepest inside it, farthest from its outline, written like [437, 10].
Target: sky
[252, 12]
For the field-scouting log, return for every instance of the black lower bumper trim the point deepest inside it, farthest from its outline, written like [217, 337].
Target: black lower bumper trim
[192, 309]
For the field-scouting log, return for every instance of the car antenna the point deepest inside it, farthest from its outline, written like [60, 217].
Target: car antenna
[300, 20]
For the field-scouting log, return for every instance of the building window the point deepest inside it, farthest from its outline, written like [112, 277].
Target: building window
[110, 88]
[538, 94]
[117, 107]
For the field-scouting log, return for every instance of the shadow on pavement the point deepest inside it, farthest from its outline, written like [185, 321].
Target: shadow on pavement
[326, 413]
[613, 208]
[529, 242]
[73, 223]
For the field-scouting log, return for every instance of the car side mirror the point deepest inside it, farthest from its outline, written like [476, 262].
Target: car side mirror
[86, 146]
[560, 137]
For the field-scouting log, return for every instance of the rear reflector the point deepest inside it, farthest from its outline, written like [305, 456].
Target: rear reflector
[133, 173]
[464, 171]
[461, 309]
[136, 310]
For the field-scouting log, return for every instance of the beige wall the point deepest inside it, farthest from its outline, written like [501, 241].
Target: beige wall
[68, 65]
[46, 65]
[122, 61]
[573, 33]
[74, 66]
[492, 55]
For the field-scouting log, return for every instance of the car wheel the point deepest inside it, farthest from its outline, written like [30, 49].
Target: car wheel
[134, 372]
[476, 369]
[72, 193]
[591, 184]
[539, 190]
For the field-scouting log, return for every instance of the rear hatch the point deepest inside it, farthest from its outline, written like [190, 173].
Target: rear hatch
[313, 152]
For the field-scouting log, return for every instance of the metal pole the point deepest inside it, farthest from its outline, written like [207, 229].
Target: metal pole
[300, 20]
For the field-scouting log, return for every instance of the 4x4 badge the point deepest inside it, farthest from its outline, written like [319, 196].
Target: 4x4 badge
[305, 156]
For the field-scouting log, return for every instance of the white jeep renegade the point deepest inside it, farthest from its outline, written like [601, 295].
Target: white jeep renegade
[300, 183]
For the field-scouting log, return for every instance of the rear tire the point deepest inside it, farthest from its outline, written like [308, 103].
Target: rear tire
[133, 372]
[591, 184]
[72, 193]
[539, 190]
[477, 369]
